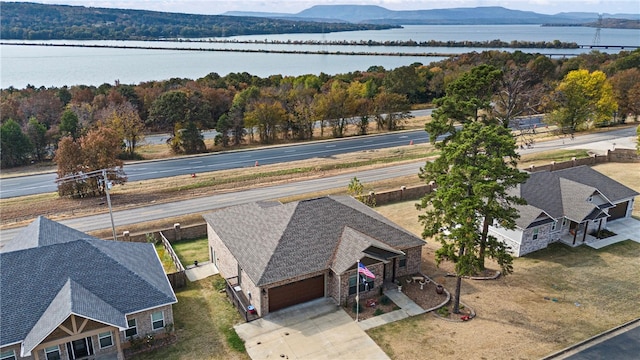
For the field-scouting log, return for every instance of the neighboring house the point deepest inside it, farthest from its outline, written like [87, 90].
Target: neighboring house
[277, 255]
[67, 295]
[565, 205]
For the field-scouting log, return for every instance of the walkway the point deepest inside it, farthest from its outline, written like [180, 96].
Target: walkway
[407, 308]
[202, 271]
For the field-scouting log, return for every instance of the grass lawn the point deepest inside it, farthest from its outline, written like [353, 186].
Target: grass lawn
[190, 250]
[204, 320]
[555, 297]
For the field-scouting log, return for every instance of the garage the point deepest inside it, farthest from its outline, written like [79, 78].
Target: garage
[619, 211]
[295, 293]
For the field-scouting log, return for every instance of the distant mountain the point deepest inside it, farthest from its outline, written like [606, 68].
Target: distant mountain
[489, 15]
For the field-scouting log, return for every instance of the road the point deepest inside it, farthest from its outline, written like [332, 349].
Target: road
[204, 204]
[146, 170]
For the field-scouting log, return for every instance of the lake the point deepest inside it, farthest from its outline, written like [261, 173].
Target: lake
[59, 66]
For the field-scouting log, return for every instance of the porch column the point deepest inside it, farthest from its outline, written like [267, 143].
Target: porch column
[118, 345]
[586, 226]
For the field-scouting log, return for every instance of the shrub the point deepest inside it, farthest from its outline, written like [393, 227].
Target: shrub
[384, 300]
[378, 312]
[443, 311]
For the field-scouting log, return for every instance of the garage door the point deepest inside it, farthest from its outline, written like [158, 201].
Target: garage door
[296, 293]
[618, 211]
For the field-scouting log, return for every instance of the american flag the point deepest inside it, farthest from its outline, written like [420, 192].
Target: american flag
[364, 271]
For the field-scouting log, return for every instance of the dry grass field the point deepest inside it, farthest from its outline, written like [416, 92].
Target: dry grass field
[554, 298]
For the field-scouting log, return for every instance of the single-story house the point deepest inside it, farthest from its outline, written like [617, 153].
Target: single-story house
[277, 255]
[568, 205]
[67, 295]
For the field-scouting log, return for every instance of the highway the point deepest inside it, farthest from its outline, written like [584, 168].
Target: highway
[204, 204]
[146, 170]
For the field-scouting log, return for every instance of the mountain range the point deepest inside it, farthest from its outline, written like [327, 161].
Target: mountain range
[490, 15]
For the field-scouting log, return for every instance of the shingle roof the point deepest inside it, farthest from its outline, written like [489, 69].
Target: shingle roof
[42, 232]
[564, 193]
[613, 190]
[280, 242]
[98, 279]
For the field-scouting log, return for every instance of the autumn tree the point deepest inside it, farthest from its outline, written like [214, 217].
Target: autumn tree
[582, 98]
[80, 162]
[265, 115]
[125, 120]
[473, 175]
[626, 90]
[390, 110]
[188, 139]
[333, 106]
[14, 144]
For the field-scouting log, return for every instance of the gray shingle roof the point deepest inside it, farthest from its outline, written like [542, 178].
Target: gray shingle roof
[42, 232]
[564, 193]
[280, 242]
[613, 190]
[103, 280]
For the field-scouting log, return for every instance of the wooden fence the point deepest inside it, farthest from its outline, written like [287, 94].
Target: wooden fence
[177, 279]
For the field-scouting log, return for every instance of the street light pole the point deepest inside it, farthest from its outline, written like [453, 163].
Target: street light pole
[107, 187]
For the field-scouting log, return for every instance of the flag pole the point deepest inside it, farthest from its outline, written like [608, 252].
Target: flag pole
[357, 289]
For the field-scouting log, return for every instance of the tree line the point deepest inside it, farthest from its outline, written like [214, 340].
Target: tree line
[246, 109]
[31, 21]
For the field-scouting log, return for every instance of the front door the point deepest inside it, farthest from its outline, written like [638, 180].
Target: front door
[80, 348]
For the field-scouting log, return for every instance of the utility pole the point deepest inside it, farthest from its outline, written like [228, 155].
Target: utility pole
[107, 188]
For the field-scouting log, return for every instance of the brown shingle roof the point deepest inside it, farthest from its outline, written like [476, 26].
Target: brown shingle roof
[280, 242]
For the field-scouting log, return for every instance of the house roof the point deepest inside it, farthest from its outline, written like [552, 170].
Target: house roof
[43, 232]
[275, 243]
[565, 193]
[97, 279]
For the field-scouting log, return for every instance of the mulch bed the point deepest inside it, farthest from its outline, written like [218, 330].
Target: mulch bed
[370, 311]
[427, 297]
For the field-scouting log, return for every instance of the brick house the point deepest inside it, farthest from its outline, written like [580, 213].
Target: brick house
[566, 205]
[67, 295]
[277, 255]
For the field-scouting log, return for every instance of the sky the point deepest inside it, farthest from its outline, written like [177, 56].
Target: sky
[216, 7]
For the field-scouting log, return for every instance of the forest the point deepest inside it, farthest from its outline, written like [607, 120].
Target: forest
[31, 21]
[245, 109]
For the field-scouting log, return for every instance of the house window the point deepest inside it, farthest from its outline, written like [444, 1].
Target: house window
[590, 199]
[564, 222]
[535, 234]
[105, 339]
[52, 353]
[157, 320]
[133, 328]
[403, 261]
[8, 355]
[366, 284]
[554, 226]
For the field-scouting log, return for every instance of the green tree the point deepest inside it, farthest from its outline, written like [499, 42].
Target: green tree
[69, 125]
[473, 175]
[188, 140]
[15, 145]
[467, 99]
[582, 97]
[37, 134]
[265, 115]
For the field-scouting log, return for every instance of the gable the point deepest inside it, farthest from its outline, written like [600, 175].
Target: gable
[280, 242]
[98, 279]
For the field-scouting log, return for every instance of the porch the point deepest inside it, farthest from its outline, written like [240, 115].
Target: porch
[239, 299]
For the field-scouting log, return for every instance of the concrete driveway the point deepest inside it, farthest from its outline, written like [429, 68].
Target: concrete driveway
[318, 329]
